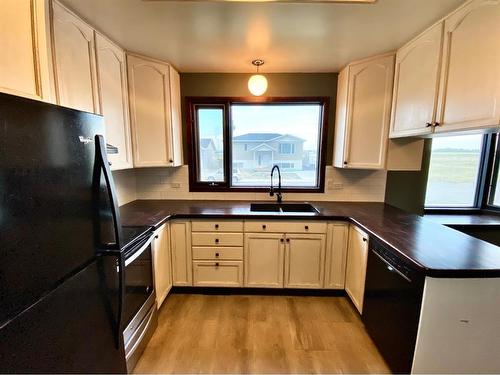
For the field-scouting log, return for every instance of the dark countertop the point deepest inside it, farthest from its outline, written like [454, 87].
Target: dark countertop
[459, 220]
[429, 247]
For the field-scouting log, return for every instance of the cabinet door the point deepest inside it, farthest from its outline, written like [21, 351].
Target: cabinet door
[357, 255]
[470, 79]
[416, 81]
[75, 63]
[304, 260]
[176, 118]
[162, 264]
[264, 259]
[368, 112]
[24, 65]
[180, 242]
[336, 255]
[149, 88]
[112, 73]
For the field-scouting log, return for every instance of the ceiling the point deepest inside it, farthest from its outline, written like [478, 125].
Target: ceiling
[290, 37]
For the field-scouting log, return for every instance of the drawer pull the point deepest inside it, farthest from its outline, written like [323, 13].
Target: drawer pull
[217, 264]
[306, 227]
[264, 226]
[216, 254]
[216, 240]
[216, 226]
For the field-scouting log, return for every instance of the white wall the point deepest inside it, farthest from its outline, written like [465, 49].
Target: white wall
[125, 182]
[341, 185]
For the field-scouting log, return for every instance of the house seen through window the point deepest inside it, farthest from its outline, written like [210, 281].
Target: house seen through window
[238, 143]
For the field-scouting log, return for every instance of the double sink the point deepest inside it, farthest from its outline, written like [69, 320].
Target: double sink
[301, 208]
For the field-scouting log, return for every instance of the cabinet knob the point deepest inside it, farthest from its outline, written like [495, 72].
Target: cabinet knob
[345, 162]
[216, 240]
[428, 124]
[216, 226]
[264, 227]
[217, 264]
[364, 239]
[306, 227]
[110, 164]
[287, 240]
[437, 124]
[156, 236]
[281, 240]
[171, 160]
[216, 254]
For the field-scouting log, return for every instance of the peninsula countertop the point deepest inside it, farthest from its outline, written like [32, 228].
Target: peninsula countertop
[427, 246]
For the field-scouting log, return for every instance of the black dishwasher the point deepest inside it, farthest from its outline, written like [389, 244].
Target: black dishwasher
[391, 307]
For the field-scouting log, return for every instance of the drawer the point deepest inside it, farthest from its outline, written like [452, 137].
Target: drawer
[216, 239]
[224, 273]
[285, 227]
[218, 253]
[217, 226]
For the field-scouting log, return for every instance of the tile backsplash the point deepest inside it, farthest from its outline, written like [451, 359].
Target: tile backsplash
[173, 183]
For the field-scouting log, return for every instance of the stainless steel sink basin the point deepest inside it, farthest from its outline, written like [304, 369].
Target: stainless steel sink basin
[283, 207]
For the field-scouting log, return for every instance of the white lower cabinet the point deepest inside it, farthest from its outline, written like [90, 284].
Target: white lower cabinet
[264, 260]
[162, 264]
[357, 256]
[336, 255]
[180, 242]
[215, 273]
[304, 260]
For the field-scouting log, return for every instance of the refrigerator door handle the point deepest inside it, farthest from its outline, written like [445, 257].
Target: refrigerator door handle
[103, 165]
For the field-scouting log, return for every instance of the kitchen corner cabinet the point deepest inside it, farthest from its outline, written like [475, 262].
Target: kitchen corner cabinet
[112, 79]
[162, 264]
[416, 82]
[26, 62]
[74, 61]
[336, 255]
[154, 94]
[180, 246]
[357, 256]
[363, 113]
[304, 260]
[264, 260]
[470, 76]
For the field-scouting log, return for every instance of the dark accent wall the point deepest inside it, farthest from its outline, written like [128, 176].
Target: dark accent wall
[280, 84]
[405, 189]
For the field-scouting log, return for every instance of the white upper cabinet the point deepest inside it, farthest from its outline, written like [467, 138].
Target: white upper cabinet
[470, 77]
[416, 82]
[25, 62]
[112, 74]
[363, 112]
[75, 62]
[155, 112]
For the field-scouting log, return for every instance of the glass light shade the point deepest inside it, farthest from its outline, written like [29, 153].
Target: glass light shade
[257, 84]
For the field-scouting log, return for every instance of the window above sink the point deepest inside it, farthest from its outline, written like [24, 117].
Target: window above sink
[235, 142]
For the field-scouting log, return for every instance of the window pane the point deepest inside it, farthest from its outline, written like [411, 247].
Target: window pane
[453, 172]
[210, 138]
[287, 135]
[494, 194]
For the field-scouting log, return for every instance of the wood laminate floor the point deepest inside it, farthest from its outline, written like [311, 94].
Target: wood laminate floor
[259, 334]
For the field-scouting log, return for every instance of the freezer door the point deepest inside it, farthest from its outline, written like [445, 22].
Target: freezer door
[52, 217]
[73, 329]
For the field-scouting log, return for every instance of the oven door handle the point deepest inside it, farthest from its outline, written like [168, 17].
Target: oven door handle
[391, 268]
[137, 253]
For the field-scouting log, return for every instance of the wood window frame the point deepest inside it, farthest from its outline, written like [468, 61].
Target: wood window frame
[194, 102]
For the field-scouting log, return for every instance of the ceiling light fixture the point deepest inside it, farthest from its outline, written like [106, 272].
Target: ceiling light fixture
[257, 84]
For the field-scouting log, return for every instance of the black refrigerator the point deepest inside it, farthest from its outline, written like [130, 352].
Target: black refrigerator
[61, 272]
